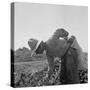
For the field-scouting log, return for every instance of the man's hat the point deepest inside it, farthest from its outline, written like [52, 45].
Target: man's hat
[33, 44]
[75, 44]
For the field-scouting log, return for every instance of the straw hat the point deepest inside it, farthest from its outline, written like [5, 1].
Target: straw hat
[33, 44]
[76, 45]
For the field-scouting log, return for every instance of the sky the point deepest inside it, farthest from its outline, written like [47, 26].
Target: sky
[41, 20]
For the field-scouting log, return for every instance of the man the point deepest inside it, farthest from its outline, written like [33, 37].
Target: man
[69, 65]
[72, 62]
[56, 46]
[59, 45]
[81, 58]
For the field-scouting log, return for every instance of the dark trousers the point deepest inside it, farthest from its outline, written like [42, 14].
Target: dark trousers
[69, 71]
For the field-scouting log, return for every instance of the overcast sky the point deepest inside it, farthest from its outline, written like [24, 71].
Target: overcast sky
[41, 20]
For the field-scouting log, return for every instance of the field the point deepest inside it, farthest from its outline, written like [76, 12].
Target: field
[35, 73]
[30, 67]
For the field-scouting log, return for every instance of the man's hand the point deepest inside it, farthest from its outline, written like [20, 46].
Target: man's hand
[71, 39]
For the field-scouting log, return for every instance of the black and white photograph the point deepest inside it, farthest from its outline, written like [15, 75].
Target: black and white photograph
[49, 44]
